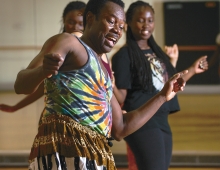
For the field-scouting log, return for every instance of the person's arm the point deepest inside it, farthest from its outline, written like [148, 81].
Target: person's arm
[173, 53]
[199, 66]
[125, 124]
[25, 101]
[120, 94]
[45, 64]
[195, 68]
[122, 74]
[216, 55]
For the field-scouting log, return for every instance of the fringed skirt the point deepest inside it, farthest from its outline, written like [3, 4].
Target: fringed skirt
[62, 143]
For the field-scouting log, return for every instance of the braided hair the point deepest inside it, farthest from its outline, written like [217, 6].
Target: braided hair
[95, 7]
[71, 6]
[138, 60]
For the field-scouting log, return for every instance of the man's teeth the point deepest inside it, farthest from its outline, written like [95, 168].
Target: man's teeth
[145, 32]
[112, 39]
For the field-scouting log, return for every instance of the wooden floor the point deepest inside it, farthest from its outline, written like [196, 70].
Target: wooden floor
[196, 128]
[184, 168]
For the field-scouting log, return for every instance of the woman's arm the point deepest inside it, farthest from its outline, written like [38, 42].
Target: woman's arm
[199, 66]
[120, 94]
[25, 101]
[216, 55]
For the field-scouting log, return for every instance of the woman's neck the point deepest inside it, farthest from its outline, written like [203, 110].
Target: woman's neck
[143, 44]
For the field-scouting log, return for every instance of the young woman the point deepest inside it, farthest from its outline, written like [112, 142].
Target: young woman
[72, 18]
[141, 69]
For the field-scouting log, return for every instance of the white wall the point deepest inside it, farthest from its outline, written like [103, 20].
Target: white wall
[25, 26]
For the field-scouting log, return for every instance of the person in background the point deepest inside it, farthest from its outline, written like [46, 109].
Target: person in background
[81, 111]
[141, 69]
[173, 54]
[72, 18]
[72, 22]
[215, 58]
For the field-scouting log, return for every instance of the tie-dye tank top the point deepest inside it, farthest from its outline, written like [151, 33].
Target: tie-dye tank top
[82, 94]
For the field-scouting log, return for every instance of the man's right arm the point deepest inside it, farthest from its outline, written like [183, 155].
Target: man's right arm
[44, 65]
[28, 80]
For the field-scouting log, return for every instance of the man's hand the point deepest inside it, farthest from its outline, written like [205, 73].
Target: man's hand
[173, 85]
[51, 64]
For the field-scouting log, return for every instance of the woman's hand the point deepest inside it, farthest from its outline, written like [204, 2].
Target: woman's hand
[173, 53]
[7, 108]
[200, 65]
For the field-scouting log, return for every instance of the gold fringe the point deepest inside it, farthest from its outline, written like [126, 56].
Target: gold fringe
[64, 127]
[60, 133]
[54, 146]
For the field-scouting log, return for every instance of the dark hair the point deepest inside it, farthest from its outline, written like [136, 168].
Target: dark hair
[71, 6]
[95, 7]
[138, 60]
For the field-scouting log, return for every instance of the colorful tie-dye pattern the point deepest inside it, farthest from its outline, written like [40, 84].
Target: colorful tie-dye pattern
[82, 94]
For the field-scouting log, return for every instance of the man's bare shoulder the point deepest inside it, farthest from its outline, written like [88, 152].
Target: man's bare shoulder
[63, 37]
[65, 41]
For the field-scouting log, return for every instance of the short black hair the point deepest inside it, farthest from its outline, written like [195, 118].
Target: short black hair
[95, 7]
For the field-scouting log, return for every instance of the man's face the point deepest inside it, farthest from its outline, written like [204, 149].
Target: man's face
[107, 28]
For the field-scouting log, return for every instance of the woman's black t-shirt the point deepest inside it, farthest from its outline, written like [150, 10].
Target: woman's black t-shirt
[135, 95]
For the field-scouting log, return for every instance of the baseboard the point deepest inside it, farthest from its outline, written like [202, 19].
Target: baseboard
[182, 160]
[178, 160]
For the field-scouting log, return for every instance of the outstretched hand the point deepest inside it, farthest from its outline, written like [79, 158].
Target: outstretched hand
[51, 64]
[200, 65]
[7, 108]
[173, 85]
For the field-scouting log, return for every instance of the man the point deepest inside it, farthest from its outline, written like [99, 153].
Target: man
[81, 112]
